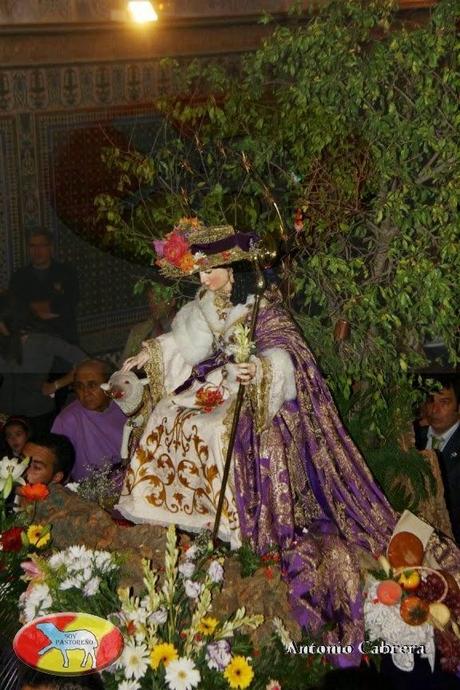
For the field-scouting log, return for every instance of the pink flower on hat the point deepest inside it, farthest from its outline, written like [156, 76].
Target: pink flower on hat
[159, 245]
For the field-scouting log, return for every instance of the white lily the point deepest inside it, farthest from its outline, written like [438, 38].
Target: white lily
[11, 473]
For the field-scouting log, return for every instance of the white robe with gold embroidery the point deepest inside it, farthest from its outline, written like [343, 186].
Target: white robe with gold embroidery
[176, 473]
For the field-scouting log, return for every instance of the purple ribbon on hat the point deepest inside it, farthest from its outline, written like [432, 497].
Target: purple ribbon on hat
[201, 370]
[245, 241]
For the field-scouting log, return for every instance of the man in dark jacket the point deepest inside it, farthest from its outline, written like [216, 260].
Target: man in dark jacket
[443, 435]
[48, 287]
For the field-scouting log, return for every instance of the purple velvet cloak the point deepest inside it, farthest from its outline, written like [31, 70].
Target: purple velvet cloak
[303, 486]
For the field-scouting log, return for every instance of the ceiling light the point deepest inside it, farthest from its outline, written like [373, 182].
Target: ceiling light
[142, 11]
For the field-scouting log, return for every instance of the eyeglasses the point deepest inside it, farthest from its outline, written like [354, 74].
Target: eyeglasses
[79, 386]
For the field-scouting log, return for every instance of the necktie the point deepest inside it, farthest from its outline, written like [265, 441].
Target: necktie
[436, 442]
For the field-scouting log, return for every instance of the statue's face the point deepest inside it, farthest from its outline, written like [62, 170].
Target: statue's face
[217, 279]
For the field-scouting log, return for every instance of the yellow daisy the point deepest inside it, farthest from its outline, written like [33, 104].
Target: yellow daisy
[162, 653]
[37, 537]
[207, 625]
[239, 673]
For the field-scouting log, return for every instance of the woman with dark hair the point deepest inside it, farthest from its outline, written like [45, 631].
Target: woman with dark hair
[297, 482]
[26, 358]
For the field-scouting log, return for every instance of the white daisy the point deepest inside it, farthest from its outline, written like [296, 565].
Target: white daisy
[56, 560]
[182, 674]
[77, 553]
[76, 579]
[282, 632]
[128, 685]
[134, 660]
[87, 574]
[103, 561]
[38, 602]
[73, 486]
[69, 582]
[78, 558]
[138, 616]
[92, 587]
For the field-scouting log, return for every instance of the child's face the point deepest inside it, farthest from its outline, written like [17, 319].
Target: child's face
[16, 438]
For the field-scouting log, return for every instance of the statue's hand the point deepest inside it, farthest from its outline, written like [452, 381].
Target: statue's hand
[137, 362]
[245, 372]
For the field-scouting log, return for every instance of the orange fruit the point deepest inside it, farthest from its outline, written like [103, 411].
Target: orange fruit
[389, 592]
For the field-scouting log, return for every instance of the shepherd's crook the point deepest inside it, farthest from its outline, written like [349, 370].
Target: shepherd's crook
[263, 258]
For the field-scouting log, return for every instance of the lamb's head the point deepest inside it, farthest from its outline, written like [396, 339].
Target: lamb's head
[126, 390]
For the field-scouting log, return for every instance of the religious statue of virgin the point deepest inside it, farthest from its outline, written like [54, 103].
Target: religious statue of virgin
[297, 481]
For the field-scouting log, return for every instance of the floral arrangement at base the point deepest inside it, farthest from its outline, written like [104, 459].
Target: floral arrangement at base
[173, 638]
[20, 534]
[62, 581]
[171, 634]
[408, 603]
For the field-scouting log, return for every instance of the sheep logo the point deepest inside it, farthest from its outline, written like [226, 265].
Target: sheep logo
[63, 641]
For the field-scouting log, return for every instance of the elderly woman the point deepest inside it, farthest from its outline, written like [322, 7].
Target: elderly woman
[297, 480]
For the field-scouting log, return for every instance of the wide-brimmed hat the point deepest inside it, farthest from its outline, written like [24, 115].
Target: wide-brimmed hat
[192, 247]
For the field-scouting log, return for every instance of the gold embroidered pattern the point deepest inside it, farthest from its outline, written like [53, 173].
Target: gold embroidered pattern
[259, 395]
[212, 234]
[155, 370]
[176, 464]
[222, 304]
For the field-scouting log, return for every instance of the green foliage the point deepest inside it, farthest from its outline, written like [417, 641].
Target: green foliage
[249, 560]
[353, 121]
[295, 671]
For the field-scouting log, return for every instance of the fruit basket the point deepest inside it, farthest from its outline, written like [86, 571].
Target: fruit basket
[413, 607]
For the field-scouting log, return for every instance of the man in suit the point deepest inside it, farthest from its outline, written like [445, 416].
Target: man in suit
[442, 412]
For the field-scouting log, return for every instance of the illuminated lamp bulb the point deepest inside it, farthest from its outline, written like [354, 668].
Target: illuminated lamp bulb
[142, 11]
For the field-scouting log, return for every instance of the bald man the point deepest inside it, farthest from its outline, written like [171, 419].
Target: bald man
[93, 422]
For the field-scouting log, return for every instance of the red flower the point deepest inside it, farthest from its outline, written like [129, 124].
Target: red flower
[226, 255]
[34, 492]
[298, 220]
[11, 539]
[268, 572]
[131, 628]
[175, 248]
[208, 398]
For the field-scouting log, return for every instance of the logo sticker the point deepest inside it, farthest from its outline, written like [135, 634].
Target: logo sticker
[69, 643]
